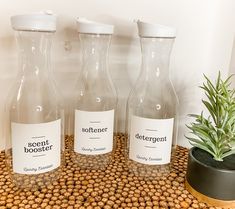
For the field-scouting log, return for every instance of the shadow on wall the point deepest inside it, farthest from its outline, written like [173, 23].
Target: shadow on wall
[8, 70]
[189, 96]
[66, 63]
[123, 68]
[232, 63]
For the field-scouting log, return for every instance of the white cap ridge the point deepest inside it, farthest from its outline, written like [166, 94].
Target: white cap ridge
[34, 22]
[155, 30]
[87, 26]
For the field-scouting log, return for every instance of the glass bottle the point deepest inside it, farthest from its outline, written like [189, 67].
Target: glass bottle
[96, 100]
[152, 106]
[34, 147]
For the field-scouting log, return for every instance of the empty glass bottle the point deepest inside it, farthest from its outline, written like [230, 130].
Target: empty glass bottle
[152, 105]
[34, 147]
[96, 100]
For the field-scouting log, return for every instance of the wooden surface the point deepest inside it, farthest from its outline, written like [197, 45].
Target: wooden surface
[114, 187]
[211, 201]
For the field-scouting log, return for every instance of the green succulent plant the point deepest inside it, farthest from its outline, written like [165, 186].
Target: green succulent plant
[215, 134]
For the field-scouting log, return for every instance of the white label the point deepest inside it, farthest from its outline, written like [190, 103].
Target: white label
[151, 140]
[93, 132]
[36, 147]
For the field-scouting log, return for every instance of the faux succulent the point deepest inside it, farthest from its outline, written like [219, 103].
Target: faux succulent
[216, 134]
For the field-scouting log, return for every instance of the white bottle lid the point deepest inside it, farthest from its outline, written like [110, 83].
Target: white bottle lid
[155, 30]
[87, 26]
[45, 21]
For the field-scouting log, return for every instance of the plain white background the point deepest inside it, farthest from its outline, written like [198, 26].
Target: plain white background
[204, 44]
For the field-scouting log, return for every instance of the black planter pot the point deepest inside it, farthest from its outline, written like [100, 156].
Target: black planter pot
[211, 181]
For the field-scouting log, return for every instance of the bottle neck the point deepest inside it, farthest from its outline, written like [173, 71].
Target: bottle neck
[34, 52]
[95, 52]
[155, 57]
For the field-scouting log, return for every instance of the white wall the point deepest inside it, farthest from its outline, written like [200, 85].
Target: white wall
[204, 44]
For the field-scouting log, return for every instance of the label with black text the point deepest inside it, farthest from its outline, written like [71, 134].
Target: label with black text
[151, 140]
[93, 132]
[36, 147]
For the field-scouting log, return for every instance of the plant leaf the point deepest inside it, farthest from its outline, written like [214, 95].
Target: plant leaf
[226, 154]
[215, 134]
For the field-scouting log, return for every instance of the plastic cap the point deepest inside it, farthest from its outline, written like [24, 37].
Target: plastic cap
[155, 30]
[45, 21]
[87, 26]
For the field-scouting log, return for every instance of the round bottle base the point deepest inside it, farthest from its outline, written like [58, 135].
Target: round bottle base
[92, 162]
[148, 171]
[38, 181]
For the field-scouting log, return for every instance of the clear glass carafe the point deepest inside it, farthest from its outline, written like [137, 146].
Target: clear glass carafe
[96, 99]
[152, 106]
[34, 130]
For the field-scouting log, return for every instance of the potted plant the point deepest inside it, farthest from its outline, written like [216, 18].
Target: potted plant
[211, 162]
